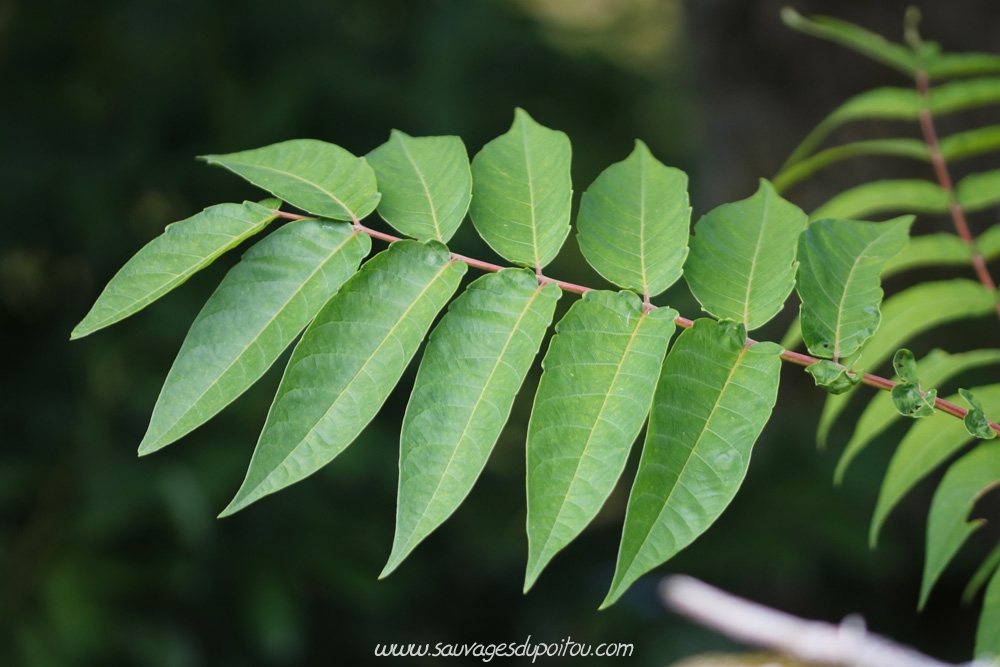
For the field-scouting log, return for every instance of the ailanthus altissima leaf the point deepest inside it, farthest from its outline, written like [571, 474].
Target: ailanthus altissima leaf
[988, 629]
[521, 192]
[979, 191]
[262, 304]
[838, 280]
[928, 444]
[321, 178]
[599, 375]
[171, 258]
[947, 530]
[886, 196]
[910, 148]
[633, 223]
[347, 362]
[474, 365]
[935, 369]
[742, 261]
[906, 315]
[713, 398]
[425, 182]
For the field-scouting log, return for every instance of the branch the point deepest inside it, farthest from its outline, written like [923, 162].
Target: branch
[787, 355]
[846, 645]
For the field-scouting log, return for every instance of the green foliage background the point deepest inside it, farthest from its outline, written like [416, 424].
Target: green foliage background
[108, 559]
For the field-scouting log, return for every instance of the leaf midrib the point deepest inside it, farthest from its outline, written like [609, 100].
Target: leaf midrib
[427, 191]
[531, 194]
[753, 261]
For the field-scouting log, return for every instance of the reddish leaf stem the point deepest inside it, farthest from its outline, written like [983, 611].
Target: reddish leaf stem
[787, 355]
[944, 179]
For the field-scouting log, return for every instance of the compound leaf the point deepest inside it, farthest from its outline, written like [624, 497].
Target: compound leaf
[869, 199]
[474, 365]
[321, 178]
[742, 261]
[262, 304]
[936, 368]
[426, 184]
[926, 445]
[838, 281]
[522, 191]
[347, 362]
[712, 400]
[634, 221]
[906, 315]
[183, 249]
[599, 375]
[964, 483]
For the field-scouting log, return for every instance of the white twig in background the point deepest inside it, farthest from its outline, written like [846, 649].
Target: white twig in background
[846, 645]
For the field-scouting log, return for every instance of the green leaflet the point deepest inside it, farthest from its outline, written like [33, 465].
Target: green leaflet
[473, 367]
[941, 249]
[976, 192]
[742, 261]
[713, 398]
[911, 148]
[183, 249]
[982, 575]
[869, 199]
[321, 178]
[261, 305]
[633, 223]
[911, 401]
[838, 281]
[964, 483]
[927, 445]
[975, 419]
[347, 362]
[833, 377]
[906, 315]
[599, 375]
[936, 368]
[945, 65]
[971, 142]
[522, 191]
[988, 629]
[426, 184]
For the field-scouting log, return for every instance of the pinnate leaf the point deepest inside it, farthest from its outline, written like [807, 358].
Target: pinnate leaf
[347, 362]
[713, 398]
[633, 223]
[928, 444]
[838, 281]
[425, 182]
[742, 261]
[947, 530]
[321, 178]
[474, 365]
[522, 191]
[262, 304]
[183, 249]
[599, 375]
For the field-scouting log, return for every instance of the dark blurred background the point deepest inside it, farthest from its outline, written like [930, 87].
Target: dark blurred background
[107, 559]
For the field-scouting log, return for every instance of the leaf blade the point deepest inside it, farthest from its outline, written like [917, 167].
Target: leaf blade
[633, 223]
[742, 260]
[868, 199]
[167, 261]
[521, 192]
[347, 362]
[433, 171]
[481, 350]
[321, 178]
[600, 372]
[712, 400]
[284, 279]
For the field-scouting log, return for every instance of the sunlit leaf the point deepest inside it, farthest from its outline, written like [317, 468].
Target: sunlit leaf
[909, 148]
[838, 281]
[600, 372]
[978, 191]
[474, 365]
[425, 182]
[906, 315]
[634, 222]
[521, 192]
[171, 258]
[321, 178]
[935, 369]
[947, 530]
[262, 304]
[347, 362]
[928, 444]
[712, 400]
[970, 142]
[869, 199]
[742, 261]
